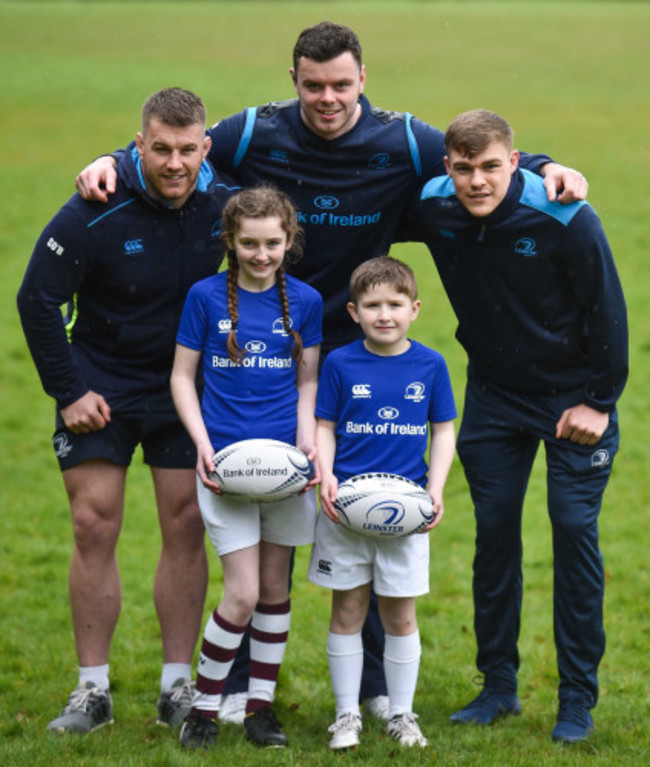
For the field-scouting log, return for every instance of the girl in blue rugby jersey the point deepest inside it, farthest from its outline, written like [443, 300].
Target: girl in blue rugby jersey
[257, 332]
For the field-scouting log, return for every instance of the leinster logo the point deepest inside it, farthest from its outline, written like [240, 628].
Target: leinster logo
[415, 391]
[326, 202]
[379, 161]
[600, 459]
[525, 246]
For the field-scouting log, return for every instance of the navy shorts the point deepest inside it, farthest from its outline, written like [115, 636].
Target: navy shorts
[149, 420]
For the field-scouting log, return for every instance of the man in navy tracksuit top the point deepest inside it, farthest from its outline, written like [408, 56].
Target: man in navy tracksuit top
[542, 317]
[350, 169]
[125, 269]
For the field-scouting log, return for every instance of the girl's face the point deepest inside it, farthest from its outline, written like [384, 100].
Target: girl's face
[260, 245]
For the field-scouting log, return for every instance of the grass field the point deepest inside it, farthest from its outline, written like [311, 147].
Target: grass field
[572, 77]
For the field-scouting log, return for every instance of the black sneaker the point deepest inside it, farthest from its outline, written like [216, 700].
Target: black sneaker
[199, 731]
[263, 729]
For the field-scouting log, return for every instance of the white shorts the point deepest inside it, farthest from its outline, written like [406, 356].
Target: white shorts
[234, 525]
[342, 560]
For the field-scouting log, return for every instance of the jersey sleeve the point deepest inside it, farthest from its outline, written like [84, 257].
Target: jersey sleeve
[328, 406]
[442, 406]
[226, 136]
[193, 326]
[534, 162]
[429, 142]
[60, 260]
[312, 327]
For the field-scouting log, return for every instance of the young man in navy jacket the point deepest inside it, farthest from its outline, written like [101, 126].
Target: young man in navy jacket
[124, 270]
[542, 318]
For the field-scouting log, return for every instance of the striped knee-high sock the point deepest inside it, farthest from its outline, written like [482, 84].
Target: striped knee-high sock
[269, 632]
[221, 641]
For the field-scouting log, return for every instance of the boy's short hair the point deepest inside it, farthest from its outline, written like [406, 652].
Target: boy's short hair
[471, 132]
[384, 270]
[326, 41]
[174, 106]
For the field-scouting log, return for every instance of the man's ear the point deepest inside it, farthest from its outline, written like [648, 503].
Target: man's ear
[514, 160]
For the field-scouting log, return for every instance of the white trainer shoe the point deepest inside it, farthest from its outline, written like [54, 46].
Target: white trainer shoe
[345, 731]
[406, 730]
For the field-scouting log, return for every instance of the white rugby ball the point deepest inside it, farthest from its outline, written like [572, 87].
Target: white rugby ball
[261, 470]
[381, 505]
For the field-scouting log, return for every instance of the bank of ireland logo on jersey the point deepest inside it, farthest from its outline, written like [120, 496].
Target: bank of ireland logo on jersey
[388, 413]
[526, 246]
[415, 391]
[361, 391]
[326, 202]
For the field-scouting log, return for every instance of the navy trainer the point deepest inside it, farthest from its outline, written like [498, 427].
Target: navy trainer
[574, 724]
[488, 706]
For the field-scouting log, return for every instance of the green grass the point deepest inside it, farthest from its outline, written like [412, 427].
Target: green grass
[572, 77]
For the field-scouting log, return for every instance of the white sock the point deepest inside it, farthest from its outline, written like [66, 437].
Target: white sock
[345, 659]
[173, 671]
[98, 675]
[401, 666]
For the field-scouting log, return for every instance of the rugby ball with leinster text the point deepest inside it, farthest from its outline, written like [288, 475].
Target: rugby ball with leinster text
[381, 505]
[261, 470]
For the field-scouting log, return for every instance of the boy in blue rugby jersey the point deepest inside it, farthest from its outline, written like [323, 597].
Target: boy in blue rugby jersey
[360, 382]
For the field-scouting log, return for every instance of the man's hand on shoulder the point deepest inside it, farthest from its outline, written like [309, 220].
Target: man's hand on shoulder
[564, 184]
[97, 180]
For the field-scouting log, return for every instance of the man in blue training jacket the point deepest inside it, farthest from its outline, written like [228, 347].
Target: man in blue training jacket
[124, 270]
[542, 318]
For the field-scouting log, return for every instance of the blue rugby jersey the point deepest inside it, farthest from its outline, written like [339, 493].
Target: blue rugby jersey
[535, 289]
[257, 398]
[350, 191]
[124, 268]
[382, 407]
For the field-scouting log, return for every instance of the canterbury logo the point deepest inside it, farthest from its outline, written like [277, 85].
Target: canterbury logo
[134, 246]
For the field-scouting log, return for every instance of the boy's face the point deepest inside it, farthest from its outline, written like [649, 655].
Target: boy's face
[385, 316]
[482, 182]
